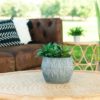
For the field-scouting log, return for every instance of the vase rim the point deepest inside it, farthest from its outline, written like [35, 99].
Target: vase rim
[57, 57]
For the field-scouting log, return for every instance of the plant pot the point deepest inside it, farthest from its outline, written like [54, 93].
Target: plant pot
[76, 38]
[57, 70]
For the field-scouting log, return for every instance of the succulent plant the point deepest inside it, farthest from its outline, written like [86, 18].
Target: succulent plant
[75, 31]
[54, 50]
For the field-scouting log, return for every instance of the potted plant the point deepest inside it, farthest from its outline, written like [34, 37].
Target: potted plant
[57, 63]
[76, 32]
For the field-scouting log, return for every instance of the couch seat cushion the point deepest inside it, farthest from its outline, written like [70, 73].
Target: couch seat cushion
[25, 56]
[7, 62]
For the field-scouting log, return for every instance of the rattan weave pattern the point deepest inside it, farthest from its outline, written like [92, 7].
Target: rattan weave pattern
[31, 83]
[82, 61]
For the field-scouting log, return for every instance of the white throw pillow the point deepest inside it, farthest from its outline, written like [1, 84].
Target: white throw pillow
[22, 30]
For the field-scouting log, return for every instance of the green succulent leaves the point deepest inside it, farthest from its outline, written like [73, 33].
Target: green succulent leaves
[54, 50]
[76, 31]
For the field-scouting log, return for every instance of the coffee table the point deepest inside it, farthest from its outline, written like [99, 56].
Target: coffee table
[30, 85]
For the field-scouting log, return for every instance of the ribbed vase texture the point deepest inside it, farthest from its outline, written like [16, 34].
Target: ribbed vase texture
[57, 70]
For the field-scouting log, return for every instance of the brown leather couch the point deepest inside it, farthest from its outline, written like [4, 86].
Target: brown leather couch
[24, 57]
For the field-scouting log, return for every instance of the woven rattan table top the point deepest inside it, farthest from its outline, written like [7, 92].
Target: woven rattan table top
[30, 85]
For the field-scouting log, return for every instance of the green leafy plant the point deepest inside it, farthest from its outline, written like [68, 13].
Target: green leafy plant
[76, 31]
[54, 50]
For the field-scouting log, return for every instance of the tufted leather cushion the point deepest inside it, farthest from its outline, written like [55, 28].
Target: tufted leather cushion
[45, 30]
